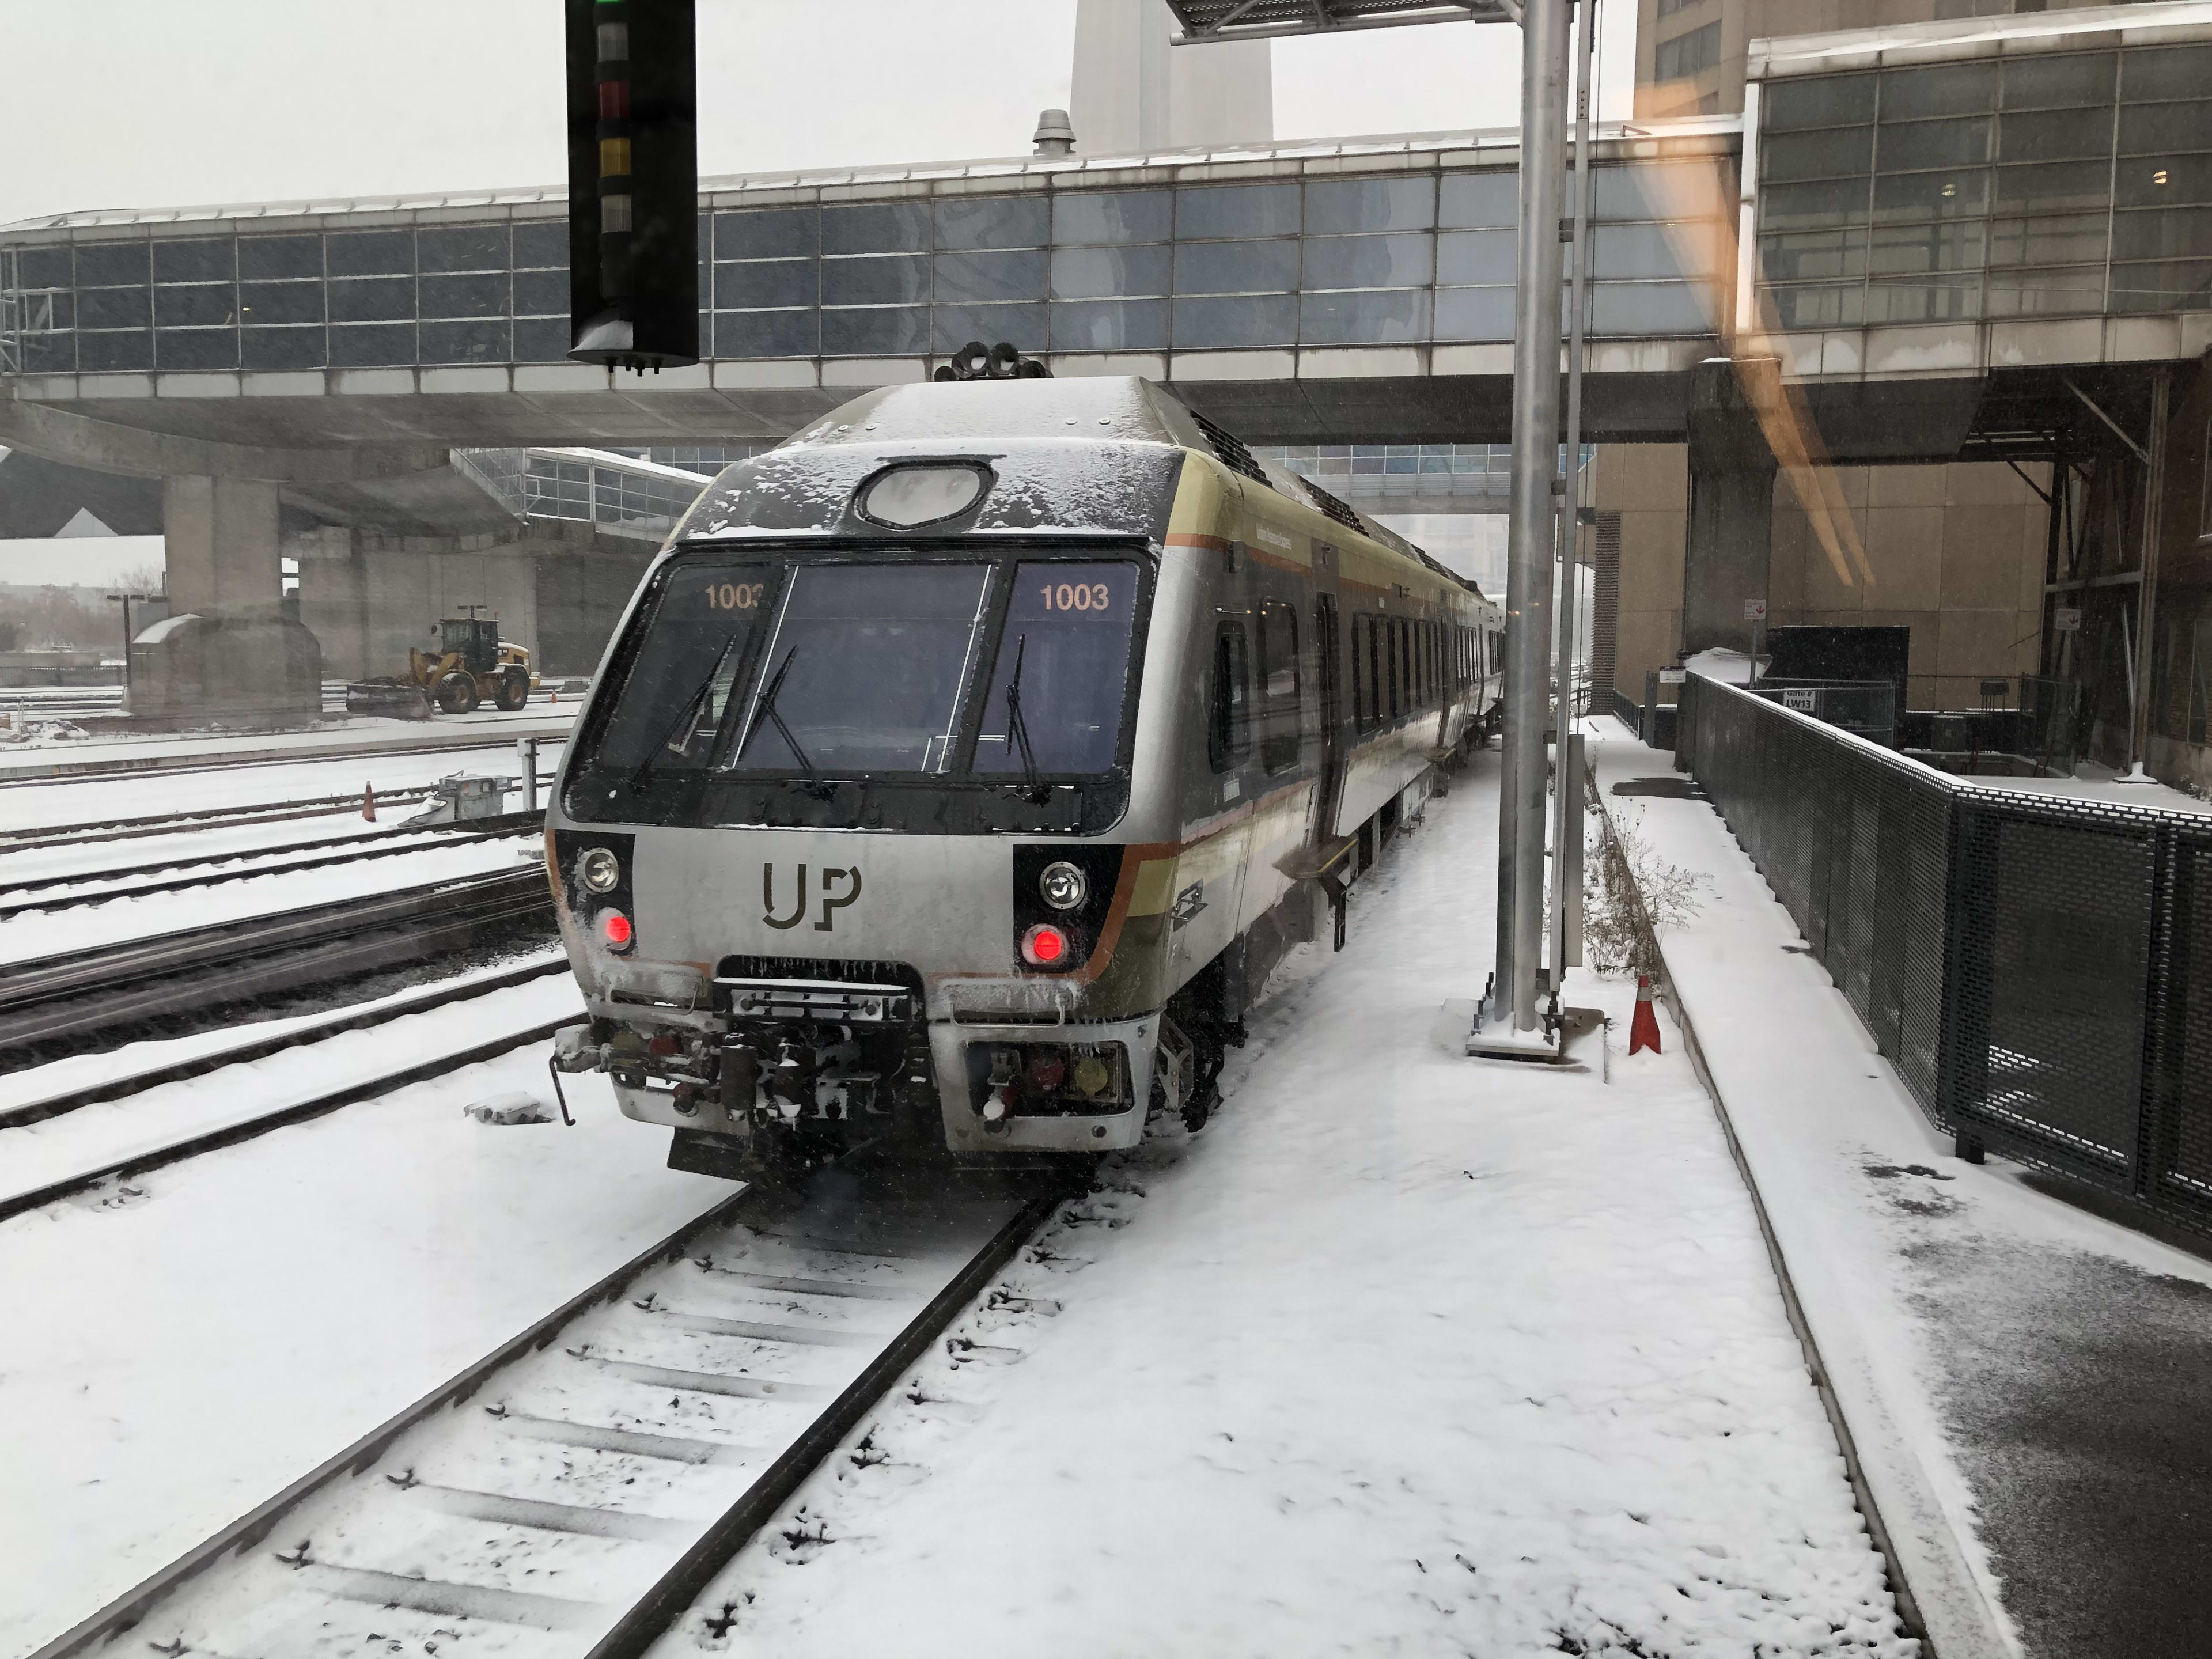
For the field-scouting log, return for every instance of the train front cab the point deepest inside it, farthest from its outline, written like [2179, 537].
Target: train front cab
[842, 851]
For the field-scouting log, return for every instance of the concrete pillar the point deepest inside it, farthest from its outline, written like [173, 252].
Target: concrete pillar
[334, 599]
[221, 544]
[1132, 91]
[1727, 545]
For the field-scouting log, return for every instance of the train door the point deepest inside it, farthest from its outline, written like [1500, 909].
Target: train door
[1328, 785]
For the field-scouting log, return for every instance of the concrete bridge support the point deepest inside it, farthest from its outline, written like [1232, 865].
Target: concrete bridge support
[1726, 551]
[223, 542]
[557, 589]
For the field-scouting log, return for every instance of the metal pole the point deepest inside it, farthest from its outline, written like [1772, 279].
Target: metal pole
[1566, 862]
[1535, 499]
[2146, 591]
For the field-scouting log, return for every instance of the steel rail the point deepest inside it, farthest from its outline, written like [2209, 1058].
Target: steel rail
[229, 1134]
[122, 1088]
[217, 878]
[186, 860]
[110, 772]
[652, 1614]
[85, 992]
[710, 1546]
[212, 817]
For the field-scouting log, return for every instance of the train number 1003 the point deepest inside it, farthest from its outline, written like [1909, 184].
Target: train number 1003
[1076, 596]
[734, 596]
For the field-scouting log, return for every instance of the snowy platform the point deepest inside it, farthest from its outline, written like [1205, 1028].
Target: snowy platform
[168, 751]
[1405, 1352]
[2022, 1374]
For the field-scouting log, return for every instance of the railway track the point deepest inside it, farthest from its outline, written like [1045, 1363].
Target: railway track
[294, 1035]
[485, 736]
[32, 1186]
[210, 818]
[569, 1495]
[82, 996]
[50, 893]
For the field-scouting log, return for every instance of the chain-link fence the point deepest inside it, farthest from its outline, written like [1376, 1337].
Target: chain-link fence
[2038, 968]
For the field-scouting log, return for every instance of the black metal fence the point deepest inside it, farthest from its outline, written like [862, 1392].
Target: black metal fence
[2038, 968]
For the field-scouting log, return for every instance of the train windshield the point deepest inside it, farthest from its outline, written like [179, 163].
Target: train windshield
[1054, 703]
[744, 682]
[865, 670]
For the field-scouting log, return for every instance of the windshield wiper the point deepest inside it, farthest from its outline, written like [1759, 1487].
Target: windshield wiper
[766, 710]
[685, 715]
[1018, 730]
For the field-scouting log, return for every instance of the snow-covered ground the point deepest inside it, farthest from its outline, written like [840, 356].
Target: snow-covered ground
[88, 1070]
[50, 804]
[35, 933]
[91, 861]
[43, 737]
[1405, 1353]
[70, 872]
[180, 1347]
[100, 1136]
[2016, 1369]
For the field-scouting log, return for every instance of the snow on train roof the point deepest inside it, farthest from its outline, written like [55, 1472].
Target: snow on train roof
[1116, 407]
[786, 490]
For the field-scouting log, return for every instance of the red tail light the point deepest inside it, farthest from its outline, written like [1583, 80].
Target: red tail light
[615, 929]
[1044, 945]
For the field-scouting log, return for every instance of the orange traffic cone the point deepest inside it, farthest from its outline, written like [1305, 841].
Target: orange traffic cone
[1643, 1029]
[369, 802]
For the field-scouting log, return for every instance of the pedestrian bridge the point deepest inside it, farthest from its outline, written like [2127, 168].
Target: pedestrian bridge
[1910, 219]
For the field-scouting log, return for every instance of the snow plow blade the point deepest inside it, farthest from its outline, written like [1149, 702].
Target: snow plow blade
[394, 699]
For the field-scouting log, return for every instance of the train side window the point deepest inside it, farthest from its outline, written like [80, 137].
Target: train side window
[1229, 727]
[1359, 674]
[1394, 670]
[1278, 686]
[1372, 680]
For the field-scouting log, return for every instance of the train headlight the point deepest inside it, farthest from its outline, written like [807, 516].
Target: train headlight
[1063, 886]
[599, 870]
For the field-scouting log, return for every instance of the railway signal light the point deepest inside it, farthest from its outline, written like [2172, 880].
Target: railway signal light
[633, 108]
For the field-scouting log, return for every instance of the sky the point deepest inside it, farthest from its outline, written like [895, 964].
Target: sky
[147, 103]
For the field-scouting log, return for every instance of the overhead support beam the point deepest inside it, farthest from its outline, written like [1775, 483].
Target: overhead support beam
[2118, 431]
[60, 434]
[1207, 22]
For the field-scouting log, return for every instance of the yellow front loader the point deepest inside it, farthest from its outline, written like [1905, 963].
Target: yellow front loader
[471, 666]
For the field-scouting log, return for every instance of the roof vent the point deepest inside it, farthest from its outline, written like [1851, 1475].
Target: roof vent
[1054, 135]
[1333, 508]
[1230, 450]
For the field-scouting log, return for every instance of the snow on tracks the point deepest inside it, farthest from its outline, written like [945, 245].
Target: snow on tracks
[1405, 1353]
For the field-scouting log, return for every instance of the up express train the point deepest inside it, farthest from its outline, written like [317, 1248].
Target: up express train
[964, 765]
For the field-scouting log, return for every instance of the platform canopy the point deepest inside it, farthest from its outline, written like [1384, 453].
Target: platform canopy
[1256, 19]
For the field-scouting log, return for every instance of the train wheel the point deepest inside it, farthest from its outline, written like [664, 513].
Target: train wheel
[457, 693]
[513, 690]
